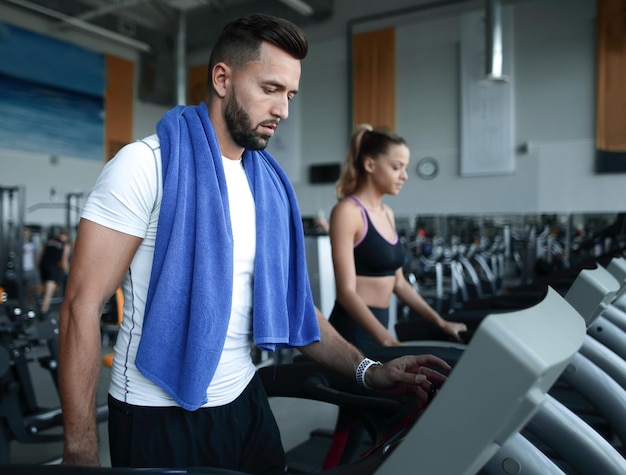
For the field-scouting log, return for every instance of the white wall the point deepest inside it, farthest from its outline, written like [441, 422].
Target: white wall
[554, 89]
[323, 96]
[47, 181]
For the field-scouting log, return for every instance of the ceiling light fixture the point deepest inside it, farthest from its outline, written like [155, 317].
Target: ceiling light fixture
[300, 6]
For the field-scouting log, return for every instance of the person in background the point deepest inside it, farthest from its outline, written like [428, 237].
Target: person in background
[54, 264]
[321, 224]
[366, 250]
[367, 259]
[31, 278]
[201, 228]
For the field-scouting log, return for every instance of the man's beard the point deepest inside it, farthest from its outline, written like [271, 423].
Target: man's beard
[240, 127]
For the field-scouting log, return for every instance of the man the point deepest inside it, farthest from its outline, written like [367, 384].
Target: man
[30, 276]
[202, 230]
[53, 266]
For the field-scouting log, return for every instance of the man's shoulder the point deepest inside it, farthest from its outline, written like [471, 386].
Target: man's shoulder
[145, 147]
[141, 158]
[152, 141]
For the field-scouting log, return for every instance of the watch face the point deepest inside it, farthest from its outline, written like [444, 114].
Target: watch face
[427, 168]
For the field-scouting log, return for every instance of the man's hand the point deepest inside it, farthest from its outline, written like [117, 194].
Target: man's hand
[89, 459]
[408, 374]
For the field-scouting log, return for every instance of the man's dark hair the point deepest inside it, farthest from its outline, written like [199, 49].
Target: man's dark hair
[240, 40]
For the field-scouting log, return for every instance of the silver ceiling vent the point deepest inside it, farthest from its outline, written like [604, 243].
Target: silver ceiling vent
[493, 37]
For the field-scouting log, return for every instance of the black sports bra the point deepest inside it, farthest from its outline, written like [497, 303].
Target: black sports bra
[374, 255]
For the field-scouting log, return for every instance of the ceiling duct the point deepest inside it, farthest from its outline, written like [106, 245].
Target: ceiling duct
[300, 6]
[82, 24]
[493, 45]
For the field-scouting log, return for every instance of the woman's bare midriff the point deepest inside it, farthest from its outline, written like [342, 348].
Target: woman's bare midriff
[375, 291]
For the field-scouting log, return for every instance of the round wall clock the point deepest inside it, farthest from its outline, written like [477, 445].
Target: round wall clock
[427, 168]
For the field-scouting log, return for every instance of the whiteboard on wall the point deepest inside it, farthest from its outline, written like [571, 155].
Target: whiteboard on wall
[285, 145]
[487, 145]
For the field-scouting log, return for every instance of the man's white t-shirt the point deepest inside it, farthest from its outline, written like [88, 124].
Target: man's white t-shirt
[127, 198]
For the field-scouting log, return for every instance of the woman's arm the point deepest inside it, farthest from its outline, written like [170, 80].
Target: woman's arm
[407, 294]
[346, 225]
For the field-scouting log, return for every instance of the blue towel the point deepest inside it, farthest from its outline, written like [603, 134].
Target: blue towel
[190, 292]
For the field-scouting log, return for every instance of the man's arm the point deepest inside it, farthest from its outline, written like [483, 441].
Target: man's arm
[408, 373]
[332, 350]
[101, 258]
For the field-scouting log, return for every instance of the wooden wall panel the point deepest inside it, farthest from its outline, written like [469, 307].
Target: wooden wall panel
[197, 84]
[118, 105]
[374, 78]
[611, 84]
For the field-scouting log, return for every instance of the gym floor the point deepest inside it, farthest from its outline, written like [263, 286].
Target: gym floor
[296, 419]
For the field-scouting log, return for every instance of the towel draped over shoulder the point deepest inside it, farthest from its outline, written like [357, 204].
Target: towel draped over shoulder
[190, 293]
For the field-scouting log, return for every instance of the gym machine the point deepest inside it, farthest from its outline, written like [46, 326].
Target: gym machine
[12, 211]
[498, 387]
[563, 435]
[491, 393]
[72, 207]
[22, 419]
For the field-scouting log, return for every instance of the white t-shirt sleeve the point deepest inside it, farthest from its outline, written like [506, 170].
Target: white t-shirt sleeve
[126, 191]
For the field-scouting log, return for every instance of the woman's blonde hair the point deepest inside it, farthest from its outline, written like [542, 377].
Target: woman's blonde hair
[365, 142]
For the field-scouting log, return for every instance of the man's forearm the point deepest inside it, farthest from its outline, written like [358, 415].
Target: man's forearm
[407, 372]
[79, 369]
[333, 350]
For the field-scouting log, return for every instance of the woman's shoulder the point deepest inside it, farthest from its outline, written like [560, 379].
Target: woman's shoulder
[347, 214]
[346, 205]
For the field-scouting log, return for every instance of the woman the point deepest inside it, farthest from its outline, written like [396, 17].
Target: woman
[367, 253]
[367, 259]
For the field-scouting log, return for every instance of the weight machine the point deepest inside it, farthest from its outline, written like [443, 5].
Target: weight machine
[22, 418]
[12, 212]
[72, 207]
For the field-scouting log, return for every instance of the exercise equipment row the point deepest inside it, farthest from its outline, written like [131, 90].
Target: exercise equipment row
[560, 436]
[499, 383]
[496, 413]
[28, 338]
[509, 268]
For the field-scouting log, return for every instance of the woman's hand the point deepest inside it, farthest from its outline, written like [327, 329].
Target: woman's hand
[453, 329]
[391, 341]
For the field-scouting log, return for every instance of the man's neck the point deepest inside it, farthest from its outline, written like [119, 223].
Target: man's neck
[228, 147]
